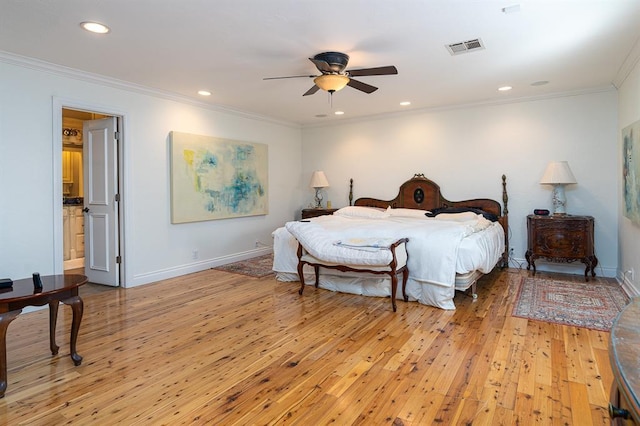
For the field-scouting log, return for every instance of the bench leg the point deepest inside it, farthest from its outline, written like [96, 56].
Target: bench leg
[317, 271]
[405, 275]
[394, 286]
[301, 276]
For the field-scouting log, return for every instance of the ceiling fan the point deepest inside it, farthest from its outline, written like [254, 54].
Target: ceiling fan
[334, 77]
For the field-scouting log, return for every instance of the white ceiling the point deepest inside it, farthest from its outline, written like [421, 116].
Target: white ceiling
[228, 46]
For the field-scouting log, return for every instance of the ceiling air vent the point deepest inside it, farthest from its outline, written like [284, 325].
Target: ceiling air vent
[465, 46]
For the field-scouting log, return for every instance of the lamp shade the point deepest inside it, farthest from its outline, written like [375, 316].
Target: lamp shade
[318, 180]
[558, 172]
[331, 82]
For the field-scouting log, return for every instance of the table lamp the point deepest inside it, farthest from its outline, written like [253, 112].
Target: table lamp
[558, 174]
[318, 181]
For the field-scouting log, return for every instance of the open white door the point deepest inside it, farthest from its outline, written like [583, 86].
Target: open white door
[100, 150]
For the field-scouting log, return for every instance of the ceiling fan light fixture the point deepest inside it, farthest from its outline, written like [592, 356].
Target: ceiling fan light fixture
[331, 82]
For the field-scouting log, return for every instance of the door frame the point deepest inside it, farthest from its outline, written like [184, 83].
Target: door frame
[123, 177]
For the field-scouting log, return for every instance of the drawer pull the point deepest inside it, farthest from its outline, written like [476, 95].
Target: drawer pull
[615, 412]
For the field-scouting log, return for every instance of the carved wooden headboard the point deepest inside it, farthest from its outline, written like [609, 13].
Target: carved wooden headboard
[424, 194]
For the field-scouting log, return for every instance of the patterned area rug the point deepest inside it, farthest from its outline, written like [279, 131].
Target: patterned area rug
[591, 305]
[255, 267]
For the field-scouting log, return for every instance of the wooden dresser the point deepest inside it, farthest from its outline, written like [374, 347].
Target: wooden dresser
[624, 350]
[309, 213]
[563, 238]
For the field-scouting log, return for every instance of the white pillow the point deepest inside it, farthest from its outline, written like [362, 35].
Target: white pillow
[457, 217]
[366, 212]
[407, 212]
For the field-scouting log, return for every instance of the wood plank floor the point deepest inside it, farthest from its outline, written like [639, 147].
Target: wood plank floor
[220, 348]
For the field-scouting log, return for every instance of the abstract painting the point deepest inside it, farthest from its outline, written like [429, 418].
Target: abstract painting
[214, 178]
[631, 171]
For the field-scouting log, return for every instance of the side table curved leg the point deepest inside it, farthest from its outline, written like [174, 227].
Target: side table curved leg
[5, 320]
[77, 306]
[53, 318]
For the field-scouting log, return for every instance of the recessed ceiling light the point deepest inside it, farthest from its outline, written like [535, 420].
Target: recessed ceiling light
[540, 83]
[204, 93]
[339, 112]
[95, 27]
[405, 103]
[505, 88]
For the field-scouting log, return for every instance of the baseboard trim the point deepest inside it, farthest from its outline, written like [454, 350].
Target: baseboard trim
[190, 268]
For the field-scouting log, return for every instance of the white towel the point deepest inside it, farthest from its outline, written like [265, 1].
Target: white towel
[366, 244]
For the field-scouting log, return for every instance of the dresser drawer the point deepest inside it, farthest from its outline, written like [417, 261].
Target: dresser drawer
[562, 239]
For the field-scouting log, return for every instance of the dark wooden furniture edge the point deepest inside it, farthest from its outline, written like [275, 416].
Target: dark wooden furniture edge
[424, 194]
[392, 272]
[14, 301]
[623, 341]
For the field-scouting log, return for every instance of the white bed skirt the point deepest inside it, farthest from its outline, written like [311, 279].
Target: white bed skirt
[375, 285]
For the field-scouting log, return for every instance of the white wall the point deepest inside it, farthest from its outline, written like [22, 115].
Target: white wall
[629, 233]
[155, 248]
[466, 150]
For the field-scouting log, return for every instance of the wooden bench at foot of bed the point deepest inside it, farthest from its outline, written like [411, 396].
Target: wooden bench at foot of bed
[397, 265]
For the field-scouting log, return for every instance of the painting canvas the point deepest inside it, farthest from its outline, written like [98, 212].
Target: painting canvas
[214, 178]
[631, 171]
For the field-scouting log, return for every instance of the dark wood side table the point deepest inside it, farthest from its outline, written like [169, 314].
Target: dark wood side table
[624, 349]
[309, 213]
[561, 238]
[55, 289]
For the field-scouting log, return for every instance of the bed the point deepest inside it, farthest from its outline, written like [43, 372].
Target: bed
[451, 244]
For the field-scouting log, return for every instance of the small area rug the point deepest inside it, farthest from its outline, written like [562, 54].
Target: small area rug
[592, 305]
[255, 267]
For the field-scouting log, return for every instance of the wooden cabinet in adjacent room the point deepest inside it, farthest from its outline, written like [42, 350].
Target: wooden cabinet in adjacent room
[73, 229]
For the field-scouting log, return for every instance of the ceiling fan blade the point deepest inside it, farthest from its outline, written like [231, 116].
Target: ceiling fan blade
[311, 91]
[290, 76]
[364, 87]
[388, 70]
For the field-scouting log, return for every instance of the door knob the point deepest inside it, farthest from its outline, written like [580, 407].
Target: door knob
[86, 210]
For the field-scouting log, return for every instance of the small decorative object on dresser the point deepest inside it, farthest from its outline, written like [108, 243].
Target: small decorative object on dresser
[561, 239]
[309, 213]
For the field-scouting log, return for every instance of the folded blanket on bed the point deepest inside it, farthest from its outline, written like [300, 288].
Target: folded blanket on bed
[366, 244]
[320, 245]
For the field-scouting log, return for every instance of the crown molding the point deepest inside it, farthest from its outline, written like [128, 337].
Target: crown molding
[627, 65]
[417, 111]
[63, 71]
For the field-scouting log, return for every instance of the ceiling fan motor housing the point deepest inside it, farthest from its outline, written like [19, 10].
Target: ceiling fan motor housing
[337, 61]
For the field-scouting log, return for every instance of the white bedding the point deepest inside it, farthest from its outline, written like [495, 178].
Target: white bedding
[438, 249]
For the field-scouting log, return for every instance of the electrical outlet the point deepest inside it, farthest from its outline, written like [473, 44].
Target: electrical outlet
[194, 254]
[630, 273]
[511, 251]
[257, 243]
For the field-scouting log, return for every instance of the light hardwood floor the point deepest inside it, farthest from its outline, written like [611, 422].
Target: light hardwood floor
[220, 348]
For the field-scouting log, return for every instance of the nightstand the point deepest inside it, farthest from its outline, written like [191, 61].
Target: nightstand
[563, 238]
[308, 213]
